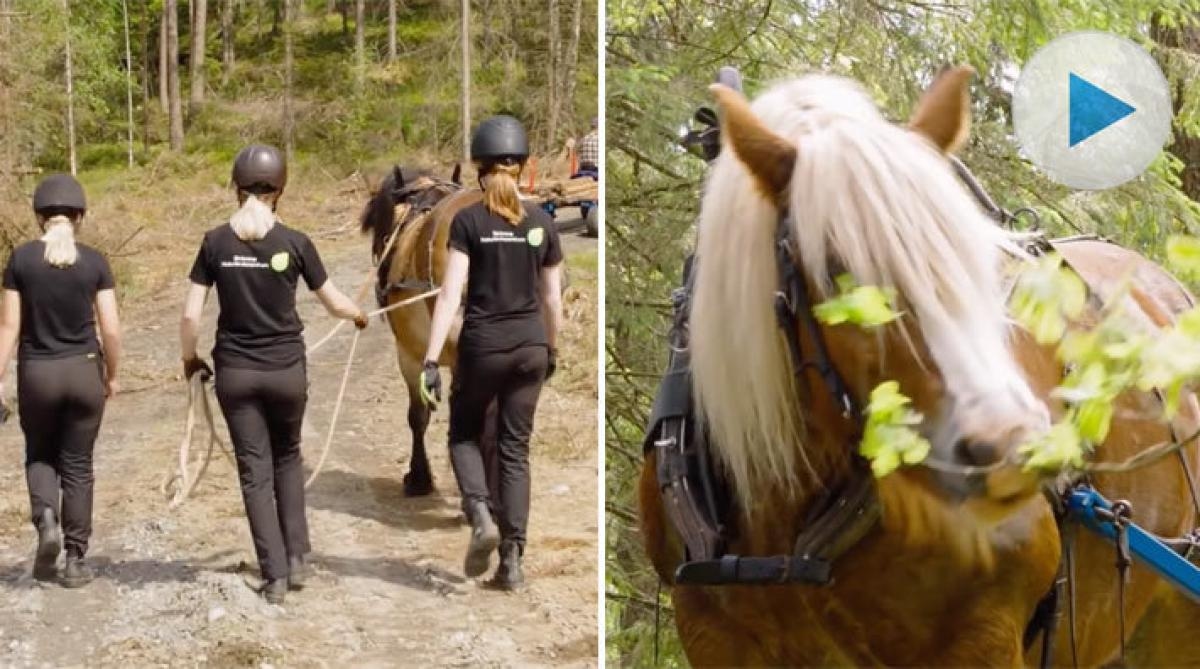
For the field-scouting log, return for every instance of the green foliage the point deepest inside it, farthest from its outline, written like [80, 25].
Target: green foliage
[866, 306]
[889, 438]
[404, 108]
[1106, 360]
[1183, 254]
[1046, 297]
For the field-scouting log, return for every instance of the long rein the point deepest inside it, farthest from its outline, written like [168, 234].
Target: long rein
[196, 389]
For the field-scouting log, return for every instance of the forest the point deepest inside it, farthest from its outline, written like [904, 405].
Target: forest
[660, 58]
[125, 91]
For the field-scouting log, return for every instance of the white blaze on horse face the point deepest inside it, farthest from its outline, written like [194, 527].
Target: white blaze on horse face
[886, 204]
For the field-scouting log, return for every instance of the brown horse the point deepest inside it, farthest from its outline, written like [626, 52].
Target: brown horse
[421, 206]
[953, 570]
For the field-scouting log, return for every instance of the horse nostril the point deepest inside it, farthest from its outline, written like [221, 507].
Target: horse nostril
[978, 453]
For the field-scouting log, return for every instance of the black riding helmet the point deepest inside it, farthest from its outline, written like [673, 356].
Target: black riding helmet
[59, 193]
[259, 168]
[499, 139]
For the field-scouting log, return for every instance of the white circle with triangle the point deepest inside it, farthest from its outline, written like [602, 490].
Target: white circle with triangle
[1092, 110]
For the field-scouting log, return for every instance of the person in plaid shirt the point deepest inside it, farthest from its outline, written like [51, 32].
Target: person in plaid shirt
[589, 149]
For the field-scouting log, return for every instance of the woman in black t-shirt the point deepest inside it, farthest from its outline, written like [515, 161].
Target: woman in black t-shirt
[255, 262]
[56, 293]
[509, 257]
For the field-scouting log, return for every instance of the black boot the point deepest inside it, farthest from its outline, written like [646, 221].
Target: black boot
[508, 574]
[298, 572]
[45, 564]
[485, 536]
[77, 573]
[274, 591]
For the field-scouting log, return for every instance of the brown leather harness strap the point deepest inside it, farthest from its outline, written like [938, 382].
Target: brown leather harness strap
[684, 467]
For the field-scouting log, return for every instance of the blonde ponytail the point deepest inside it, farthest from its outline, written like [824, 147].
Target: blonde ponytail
[59, 237]
[254, 220]
[500, 194]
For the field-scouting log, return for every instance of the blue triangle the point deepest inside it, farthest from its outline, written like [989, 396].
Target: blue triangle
[1091, 109]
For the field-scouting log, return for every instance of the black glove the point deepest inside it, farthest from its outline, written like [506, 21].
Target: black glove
[551, 362]
[193, 365]
[431, 384]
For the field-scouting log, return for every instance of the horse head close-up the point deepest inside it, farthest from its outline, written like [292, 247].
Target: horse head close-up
[793, 553]
[855, 193]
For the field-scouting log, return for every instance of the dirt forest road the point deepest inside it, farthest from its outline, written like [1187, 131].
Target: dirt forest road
[388, 590]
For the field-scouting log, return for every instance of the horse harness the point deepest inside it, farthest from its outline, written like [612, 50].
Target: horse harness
[419, 211]
[697, 500]
[696, 497]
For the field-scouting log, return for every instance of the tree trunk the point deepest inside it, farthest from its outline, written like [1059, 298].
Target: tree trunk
[276, 16]
[1185, 147]
[128, 76]
[391, 57]
[227, 41]
[330, 6]
[147, 42]
[572, 64]
[552, 85]
[465, 38]
[344, 9]
[5, 94]
[164, 95]
[289, 120]
[70, 91]
[175, 111]
[360, 44]
[199, 30]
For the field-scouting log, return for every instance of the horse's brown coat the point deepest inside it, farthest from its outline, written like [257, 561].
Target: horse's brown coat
[910, 594]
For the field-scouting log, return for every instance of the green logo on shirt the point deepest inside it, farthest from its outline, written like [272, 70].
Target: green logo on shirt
[535, 237]
[279, 261]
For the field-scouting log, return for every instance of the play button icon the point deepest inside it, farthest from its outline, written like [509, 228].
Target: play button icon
[1091, 110]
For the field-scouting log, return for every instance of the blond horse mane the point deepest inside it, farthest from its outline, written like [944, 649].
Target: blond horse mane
[883, 202]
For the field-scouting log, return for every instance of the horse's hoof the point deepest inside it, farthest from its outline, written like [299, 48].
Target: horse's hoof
[417, 486]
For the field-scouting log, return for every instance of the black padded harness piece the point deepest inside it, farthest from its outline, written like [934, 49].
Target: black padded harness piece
[697, 499]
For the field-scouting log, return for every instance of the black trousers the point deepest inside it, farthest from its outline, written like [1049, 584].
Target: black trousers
[61, 403]
[264, 411]
[514, 380]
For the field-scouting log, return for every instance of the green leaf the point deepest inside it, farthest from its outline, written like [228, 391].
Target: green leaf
[889, 439]
[1094, 419]
[1059, 447]
[1047, 295]
[865, 306]
[1183, 252]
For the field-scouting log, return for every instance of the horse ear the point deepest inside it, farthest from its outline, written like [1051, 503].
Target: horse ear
[944, 112]
[456, 177]
[769, 157]
[397, 177]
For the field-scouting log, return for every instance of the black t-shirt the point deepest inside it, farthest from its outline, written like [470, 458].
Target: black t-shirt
[503, 310]
[58, 316]
[256, 287]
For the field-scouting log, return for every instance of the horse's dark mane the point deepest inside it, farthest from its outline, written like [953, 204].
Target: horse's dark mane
[377, 216]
